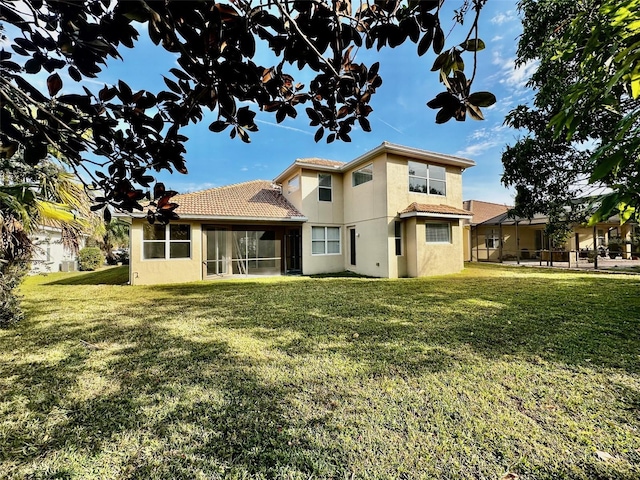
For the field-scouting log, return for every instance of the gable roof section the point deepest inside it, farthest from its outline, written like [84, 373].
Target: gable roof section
[254, 200]
[437, 211]
[483, 211]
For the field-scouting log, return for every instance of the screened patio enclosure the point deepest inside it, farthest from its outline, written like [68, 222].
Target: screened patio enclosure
[241, 250]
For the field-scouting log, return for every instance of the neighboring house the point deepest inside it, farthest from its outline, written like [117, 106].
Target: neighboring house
[393, 212]
[494, 235]
[50, 254]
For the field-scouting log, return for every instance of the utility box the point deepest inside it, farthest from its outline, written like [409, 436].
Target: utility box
[68, 266]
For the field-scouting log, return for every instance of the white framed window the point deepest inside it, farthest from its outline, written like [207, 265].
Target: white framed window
[293, 184]
[425, 178]
[398, 237]
[438, 232]
[324, 187]
[492, 238]
[325, 240]
[166, 241]
[362, 175]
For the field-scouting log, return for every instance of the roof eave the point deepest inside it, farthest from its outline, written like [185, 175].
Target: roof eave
[291, 169]
[412, 152]
[434, 215]
[186, 216]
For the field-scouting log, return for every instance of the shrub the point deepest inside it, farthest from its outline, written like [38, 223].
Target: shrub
[90, 258]
[10, 278]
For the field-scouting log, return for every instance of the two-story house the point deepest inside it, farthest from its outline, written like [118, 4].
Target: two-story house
[393, 212]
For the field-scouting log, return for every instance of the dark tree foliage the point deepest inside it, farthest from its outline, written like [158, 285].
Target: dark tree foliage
[137, 133]
[549, 167]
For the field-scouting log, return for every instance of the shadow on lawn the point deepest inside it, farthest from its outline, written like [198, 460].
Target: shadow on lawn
[179, 406]
[106, 276]
[420, 324]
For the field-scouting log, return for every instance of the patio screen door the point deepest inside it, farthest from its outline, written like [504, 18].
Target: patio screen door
[217, 259]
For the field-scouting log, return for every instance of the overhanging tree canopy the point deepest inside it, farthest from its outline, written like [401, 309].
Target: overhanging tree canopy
[587, 89]
[138, 132]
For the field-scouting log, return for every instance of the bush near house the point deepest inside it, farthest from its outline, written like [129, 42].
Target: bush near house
[90, 258]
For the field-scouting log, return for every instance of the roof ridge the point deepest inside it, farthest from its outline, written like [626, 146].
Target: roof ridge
[222, 187]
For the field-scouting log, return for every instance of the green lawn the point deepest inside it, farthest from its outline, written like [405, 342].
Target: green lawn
[496, 370]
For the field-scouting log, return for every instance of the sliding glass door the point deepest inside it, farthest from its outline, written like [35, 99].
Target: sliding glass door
[217, 259]
[256, 252]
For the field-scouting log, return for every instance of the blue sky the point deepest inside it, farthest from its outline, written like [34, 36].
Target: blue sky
[400, 114]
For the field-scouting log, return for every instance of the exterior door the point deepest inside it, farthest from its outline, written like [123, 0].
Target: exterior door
[352, 245]
[216, 259]
[293, 254]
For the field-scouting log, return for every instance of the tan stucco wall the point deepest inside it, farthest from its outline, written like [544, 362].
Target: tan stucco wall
[367, 200]
[398, 187]
[438, 258]
[295, 197]
[410, 230]
[372, 248]
[312, 264]
[397, 263]
[149, 272]
[326, 213]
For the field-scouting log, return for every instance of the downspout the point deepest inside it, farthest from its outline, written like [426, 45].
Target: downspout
[500, 244]
[595, 247]
[517, 245]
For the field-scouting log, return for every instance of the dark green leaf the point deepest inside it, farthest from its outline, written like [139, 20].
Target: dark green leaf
[438, 40]
[473, 45]
[482, 99]
[218, 126]
[54, 84]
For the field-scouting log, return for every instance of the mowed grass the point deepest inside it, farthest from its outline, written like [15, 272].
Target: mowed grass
[473, 376]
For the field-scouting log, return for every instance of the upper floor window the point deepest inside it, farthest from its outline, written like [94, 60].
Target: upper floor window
[324, 187]
[438, 232]
[293, 184]
[166, 241]
[425, 178]
[363, 175]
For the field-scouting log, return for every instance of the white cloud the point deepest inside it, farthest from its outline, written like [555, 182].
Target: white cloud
[244, 169]
[518, 76]
[505, 17]
[497, 38]
[478, 148]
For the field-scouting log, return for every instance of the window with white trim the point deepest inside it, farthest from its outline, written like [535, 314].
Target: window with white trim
[362, 175]
[324, 187]
[166, 241]
[438, 232]
[398, 237]
[293, 184]
[325, 240]
[492, 238]
[425, 178]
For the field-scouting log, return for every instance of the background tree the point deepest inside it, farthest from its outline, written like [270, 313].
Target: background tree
[32, 196]
[132, 133]
[583, 96]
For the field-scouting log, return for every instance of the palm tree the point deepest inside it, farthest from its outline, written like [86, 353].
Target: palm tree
[30, 197]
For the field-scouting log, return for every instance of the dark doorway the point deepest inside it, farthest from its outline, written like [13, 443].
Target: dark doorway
[293, 250]
[352, 245]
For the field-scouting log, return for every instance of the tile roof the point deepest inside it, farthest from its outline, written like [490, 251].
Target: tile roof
[320, 161]
[254, 199]
[483, 211]
[438, 209]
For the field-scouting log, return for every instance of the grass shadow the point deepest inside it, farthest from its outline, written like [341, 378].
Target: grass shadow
[106, 276]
